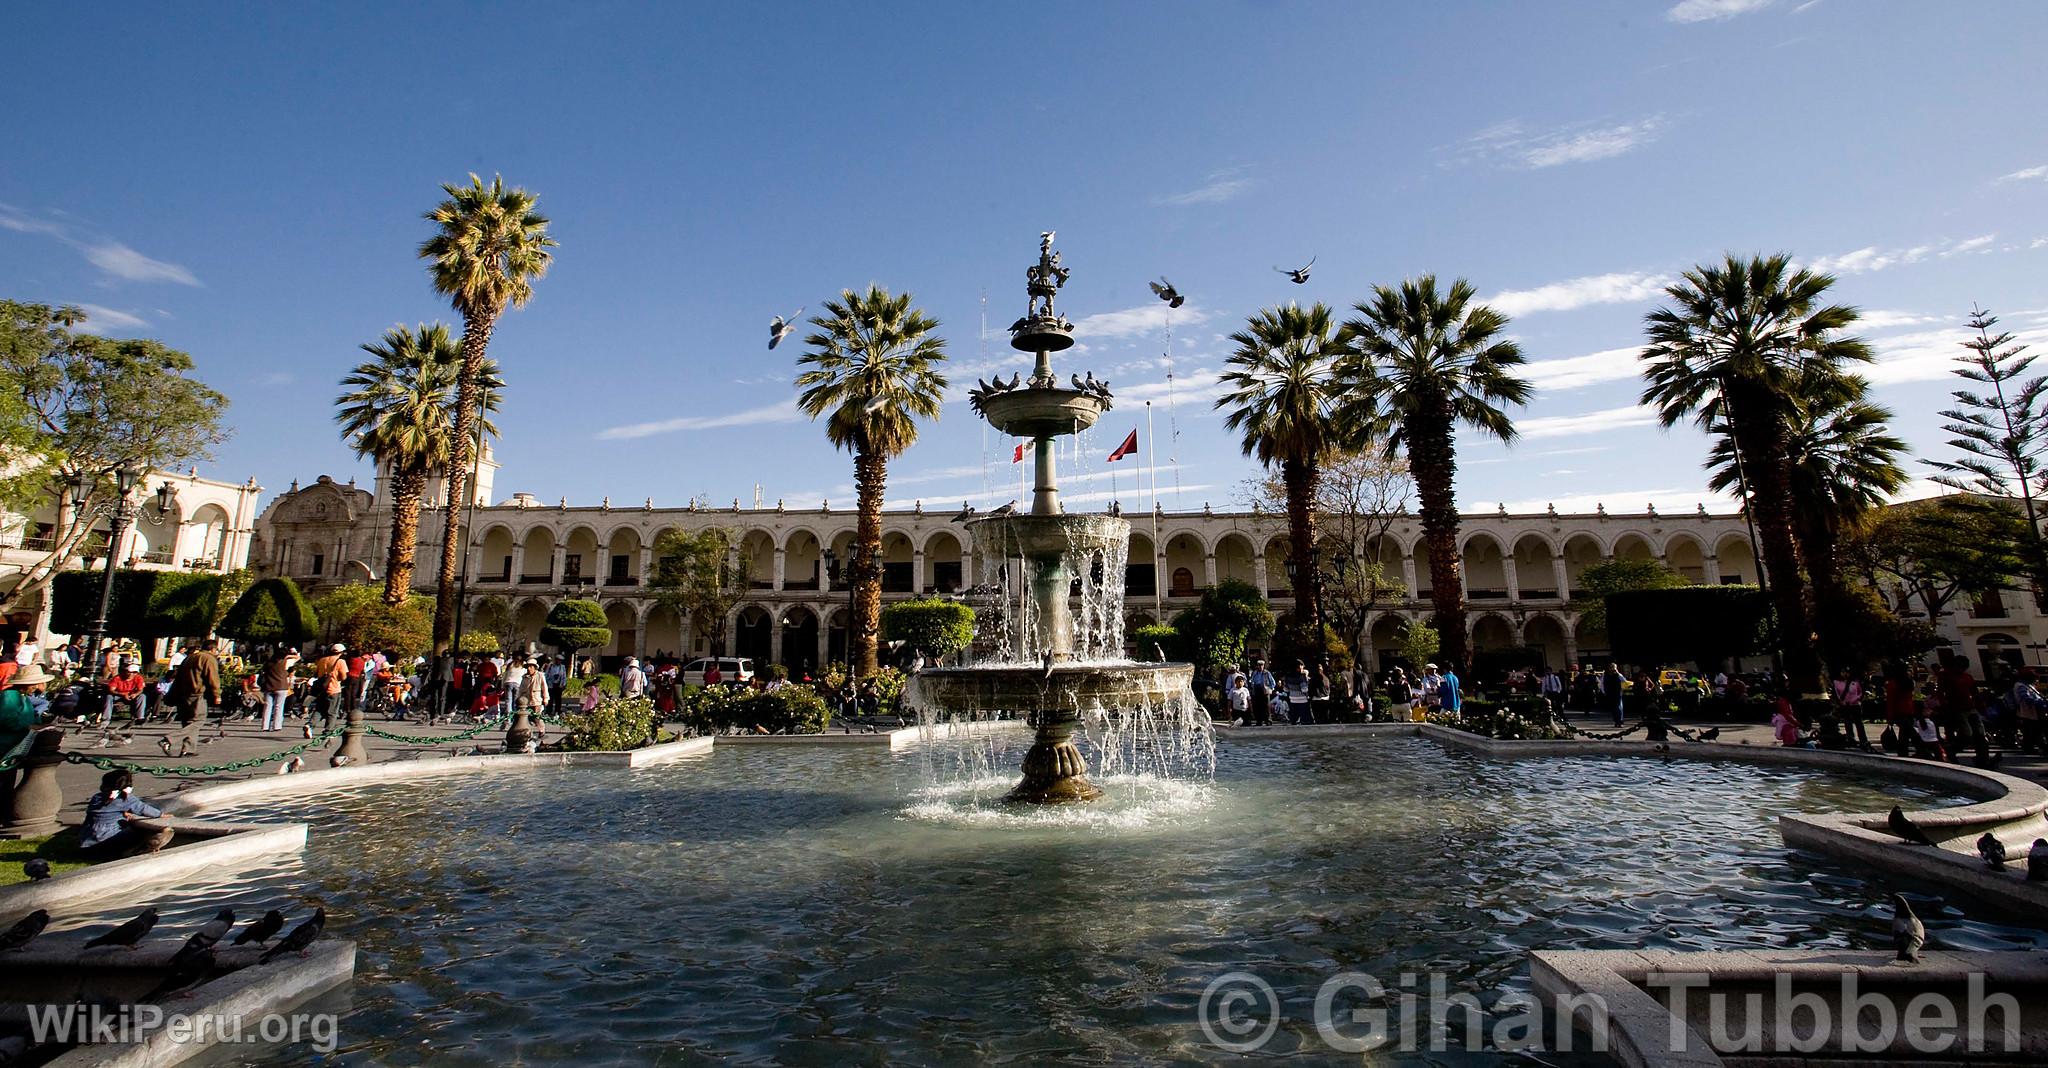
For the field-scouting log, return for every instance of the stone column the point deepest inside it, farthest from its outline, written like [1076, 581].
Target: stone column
[781, 556]
[1710, 566]
[1259, 573]
[1564, 582]
[1507, 567]
[36, 802]
[518, 560]
[917, 577]
[775, 636]
[555, 564]
[1408, 576]
[1209, 570]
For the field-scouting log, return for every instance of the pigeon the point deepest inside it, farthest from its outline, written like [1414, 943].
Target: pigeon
[128, 933]
[1710, 734]
[1164, 290]
[1008, 509]
[1992, 850]
[2037, 861]
[308, 728]
[1905, 829]
[966, 513]
[1908, 933]
[36, 868]
[292, 766]
[261, 930]
[1299, 276]
[875, 405]
[26, 930]
[302, 936]
[192, 965]
[212, 930]
[1047, 660]
[779, 328]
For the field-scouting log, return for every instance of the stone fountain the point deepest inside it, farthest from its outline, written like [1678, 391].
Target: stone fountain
[1050, 667]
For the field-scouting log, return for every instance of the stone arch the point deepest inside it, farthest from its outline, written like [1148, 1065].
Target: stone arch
[1591, 642]
[527, 619]
[622, 556]
[1997, 653]
[1235, 559]
[1196, 535]
[945, 559]
[1535, 558]
[1383, 636]
[1187, 565]
[1492, 631]
[1141, 566]
[537, 555]
[757, 552]
[899, 562]
[1686, 554]
[752, 634]
[1547, 632]
[1735, 558]
[1485, 565]
[836, 620]
[664, 632]
[209, 524]
[1632, 545]
[1276, 553]
[799, 633]
[803, 560]
[625, 625]
[1581, 551]
[494, 554]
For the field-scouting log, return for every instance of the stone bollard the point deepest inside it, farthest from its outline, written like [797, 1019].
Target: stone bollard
[520, 733]
[37, 801]
[351, 751]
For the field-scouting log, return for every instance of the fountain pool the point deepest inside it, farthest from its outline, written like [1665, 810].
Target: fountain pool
[831, 905]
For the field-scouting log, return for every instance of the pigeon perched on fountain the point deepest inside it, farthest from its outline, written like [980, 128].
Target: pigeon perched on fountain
[1164, 290]
[261, 930]
[212, 930]
[36, 868]
[191, 966]
[1905, 828]
[966, 513]
[1710, 734]
[1008, 509]
[1908, 933]
[128, 934]
[779, 328]
[2037, 861]
[1992, 850]
[25, 930]
[1299, 275]
[301, 937]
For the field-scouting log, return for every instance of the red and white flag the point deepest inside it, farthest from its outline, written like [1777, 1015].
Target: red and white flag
[1018, 456]
[1129, 446]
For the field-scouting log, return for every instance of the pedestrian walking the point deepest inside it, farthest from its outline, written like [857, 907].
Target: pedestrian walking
[277, 687]
[195, 689]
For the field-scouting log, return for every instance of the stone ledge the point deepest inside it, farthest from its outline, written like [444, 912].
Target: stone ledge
[241, 846]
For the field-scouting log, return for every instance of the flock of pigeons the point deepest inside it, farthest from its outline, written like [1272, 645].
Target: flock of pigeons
[194, 962]
[1908, 933]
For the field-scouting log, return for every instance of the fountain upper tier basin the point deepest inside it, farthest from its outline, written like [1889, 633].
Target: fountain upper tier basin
[1010, 536]
[1041, 412]
[1027, 688]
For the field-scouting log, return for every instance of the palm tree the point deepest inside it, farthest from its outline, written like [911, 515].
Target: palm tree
[1284, 398]
[872, 371]
[488, 248]
[1736, 344]
[399, 408]
[1428, 362]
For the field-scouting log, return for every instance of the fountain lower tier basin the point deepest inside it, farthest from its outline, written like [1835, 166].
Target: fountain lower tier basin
[1037, 412]
[1039, 536]
[1066, 688]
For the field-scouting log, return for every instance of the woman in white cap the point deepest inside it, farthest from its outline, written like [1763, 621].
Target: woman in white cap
[632, 680]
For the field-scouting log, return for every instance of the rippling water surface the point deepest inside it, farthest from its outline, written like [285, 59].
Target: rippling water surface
[829, 906]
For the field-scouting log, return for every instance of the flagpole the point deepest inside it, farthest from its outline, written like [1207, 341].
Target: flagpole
[1152, 462]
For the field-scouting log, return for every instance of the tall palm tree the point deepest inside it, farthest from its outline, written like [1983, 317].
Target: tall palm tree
[1284, 398]
[1735, 343]
[872, 372]
[399, 408]
[488, 247]
[1427, 362]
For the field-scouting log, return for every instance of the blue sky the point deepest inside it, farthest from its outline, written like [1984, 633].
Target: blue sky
[246, 183]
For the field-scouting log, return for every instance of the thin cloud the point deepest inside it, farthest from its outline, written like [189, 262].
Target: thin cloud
[99, 319]
[1516, 145]
[1595, 422]
[780, 412]
[1221, 186]
[1616, 288]
[1134, 322]
[1975, 244]
[1577, 372]
[113, 258]
[2030, 174]
[1930, 355]
[1691, 11]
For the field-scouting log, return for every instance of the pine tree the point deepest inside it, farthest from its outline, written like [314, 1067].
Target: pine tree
[2003, 434]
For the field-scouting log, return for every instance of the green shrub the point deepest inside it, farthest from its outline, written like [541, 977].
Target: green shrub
[1517, 718]
[1231, 615]
[406, 629]
[478, 641]
[936, 625]
[576, 624]
[788, 710]
[1156, 641]
[271, 612]
[614, 725]
[146, 604]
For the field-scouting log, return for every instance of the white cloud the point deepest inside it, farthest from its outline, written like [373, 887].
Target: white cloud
[1134, 322]
[99, 319]
[1595, 422]
[1871, 258]
[1583, 142]
[779, 412]
[1882, 319]
[1973, 244]
[1575, 372]
[274, 379]
[1715, 10]
[1930, 355]
[1616, 288]
[111, 257]
[1221, 186]
[2027, 175]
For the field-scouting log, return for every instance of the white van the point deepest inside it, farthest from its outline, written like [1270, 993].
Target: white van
[730, 669]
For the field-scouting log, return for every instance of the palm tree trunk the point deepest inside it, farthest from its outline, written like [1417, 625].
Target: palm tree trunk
[1433, 460]
[1299, 477]
[1760, 434]
[476, 338]
[871, 477]
[406, 488]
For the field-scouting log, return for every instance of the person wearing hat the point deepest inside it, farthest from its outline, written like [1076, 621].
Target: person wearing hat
[632, 680]
[329, 673]
[195, 689]
[18, 716]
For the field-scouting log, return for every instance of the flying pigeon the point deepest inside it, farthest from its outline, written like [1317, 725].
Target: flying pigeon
[36, 868]
[1992, 850]
[874, 405]
[1908, 933]
[212, 930]
[1164, 290]
[189, 967]
[302, 936]
[1710, 734]
[2037, 861]
[128, 933]
[26, 930]
[1904, 828]
[261, 930]
[1007, 509]
[779, 328]
[1299, 276]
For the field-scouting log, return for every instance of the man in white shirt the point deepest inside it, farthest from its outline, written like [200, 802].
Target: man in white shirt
[632, 681]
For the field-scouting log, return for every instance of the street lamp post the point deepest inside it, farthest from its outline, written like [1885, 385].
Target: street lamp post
[124, 511]
[834, 568]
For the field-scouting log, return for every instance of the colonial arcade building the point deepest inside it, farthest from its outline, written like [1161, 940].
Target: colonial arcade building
[1519, 570]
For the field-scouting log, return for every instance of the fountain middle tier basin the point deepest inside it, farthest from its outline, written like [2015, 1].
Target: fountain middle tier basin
[1039, 536]
[1039, 412]
[1029, 687]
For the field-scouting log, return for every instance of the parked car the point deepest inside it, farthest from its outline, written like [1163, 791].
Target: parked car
[730, 669]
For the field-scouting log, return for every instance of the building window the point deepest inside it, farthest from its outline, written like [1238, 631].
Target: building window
[619, 564]
[319, 563]
[1140, 579]
[572, 566]
[1182, 584]
[1989, 605]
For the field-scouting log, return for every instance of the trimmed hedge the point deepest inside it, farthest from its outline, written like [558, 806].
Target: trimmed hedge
[1705, 625]
[935, 625]
[146, 604]
[272, 611]
[576, 624]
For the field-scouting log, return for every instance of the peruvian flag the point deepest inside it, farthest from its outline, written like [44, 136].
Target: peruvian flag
[1129, 446]
[1018, 456]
